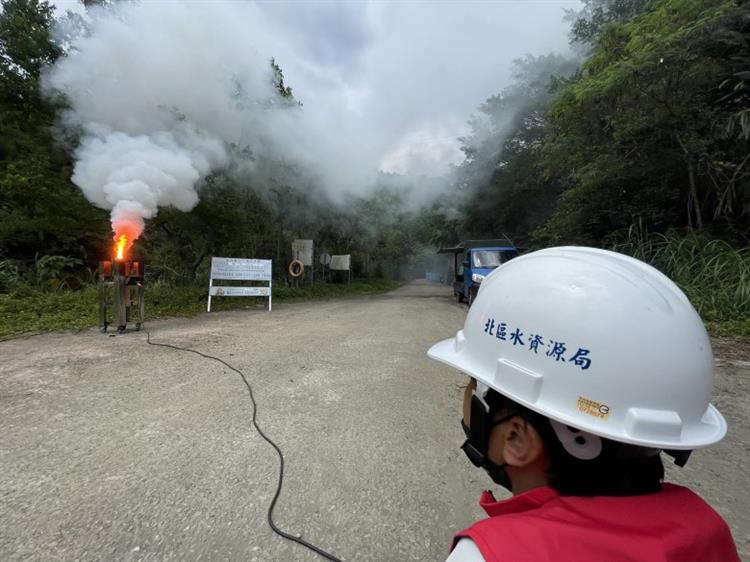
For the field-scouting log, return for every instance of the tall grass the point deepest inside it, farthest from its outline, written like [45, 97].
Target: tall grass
[713, 274]
[32, 310]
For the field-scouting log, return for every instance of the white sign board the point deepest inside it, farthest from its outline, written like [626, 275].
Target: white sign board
[341, 263]
[240, 292]
[239, 269]
[302, 250]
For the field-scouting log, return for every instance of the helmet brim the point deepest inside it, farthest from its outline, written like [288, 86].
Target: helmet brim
[444, 351]
[711, 429]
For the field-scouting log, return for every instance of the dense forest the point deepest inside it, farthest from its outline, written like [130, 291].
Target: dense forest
[638, 142]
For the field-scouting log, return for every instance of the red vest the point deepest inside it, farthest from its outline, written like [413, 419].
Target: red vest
[673, 525]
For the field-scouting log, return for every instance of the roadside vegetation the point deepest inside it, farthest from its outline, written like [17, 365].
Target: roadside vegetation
[640, 142]
[46, 310]
[640, 146]
[714, 275]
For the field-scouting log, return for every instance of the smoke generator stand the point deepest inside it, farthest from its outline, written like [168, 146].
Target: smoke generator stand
[121, 291]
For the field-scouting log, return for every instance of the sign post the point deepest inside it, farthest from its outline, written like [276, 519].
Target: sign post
[302, 250]
[342, 263]
[239, 269]
[325, 261]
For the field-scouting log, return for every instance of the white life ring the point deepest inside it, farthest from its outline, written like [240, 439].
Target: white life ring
[296, 268]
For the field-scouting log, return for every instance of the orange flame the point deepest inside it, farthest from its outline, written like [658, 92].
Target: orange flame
[120, 246]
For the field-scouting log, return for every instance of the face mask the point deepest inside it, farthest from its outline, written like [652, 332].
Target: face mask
[477, 443]
[499, 475]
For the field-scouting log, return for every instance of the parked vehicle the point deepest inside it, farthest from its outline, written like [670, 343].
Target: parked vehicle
[475, 259]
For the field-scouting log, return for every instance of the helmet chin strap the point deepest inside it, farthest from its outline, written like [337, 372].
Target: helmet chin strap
[478, 438]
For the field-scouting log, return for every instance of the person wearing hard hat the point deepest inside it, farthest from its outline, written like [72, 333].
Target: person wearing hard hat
[585, 365]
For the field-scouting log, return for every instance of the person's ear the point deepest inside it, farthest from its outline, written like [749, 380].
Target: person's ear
[523, 445]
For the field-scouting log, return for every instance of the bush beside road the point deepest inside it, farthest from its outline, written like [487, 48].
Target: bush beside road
[43, 311]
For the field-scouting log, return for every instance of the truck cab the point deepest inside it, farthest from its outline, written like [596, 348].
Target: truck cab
[473, 260]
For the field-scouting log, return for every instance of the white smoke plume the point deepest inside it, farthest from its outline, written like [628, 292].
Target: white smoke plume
[165, 92]
[134, 175]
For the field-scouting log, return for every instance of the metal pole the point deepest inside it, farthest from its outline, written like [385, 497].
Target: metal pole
[141, 307]
[102, 301]
[119, 304]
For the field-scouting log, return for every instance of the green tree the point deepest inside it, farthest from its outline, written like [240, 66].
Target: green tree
[589, 21]
[230, 220]
[26, 46]
[41, 212]
[642, 133]
[505, 193]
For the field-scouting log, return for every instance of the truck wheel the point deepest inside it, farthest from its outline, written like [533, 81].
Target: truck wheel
[472, 295]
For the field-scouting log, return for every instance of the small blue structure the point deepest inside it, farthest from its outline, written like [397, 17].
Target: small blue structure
[434, 277]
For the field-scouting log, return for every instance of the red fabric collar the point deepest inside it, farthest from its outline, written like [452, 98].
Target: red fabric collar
[522, 502]
[673, 525]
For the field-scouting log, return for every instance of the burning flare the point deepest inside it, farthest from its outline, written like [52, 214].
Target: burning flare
[127, 226]
[121, 245]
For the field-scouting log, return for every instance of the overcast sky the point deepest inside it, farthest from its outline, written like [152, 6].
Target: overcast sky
[408, 73]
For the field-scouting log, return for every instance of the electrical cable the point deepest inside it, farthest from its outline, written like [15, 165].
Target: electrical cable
[268, 440]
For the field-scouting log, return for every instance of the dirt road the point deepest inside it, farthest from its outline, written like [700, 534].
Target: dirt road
[115, 450]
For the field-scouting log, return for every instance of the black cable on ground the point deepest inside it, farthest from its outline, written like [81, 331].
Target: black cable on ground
[268, 440]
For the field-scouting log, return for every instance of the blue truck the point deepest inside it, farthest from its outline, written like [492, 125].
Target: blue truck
[473, 260]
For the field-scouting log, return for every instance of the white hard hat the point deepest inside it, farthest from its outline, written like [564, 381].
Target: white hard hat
[596, 340]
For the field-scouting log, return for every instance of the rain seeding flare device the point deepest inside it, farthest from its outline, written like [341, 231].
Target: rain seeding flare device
[121, 289]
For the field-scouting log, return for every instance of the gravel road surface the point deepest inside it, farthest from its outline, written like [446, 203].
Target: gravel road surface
[114, 450]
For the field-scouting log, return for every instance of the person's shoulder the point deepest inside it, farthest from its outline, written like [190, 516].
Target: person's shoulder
[510, 524]
[685, 498]
[705, 521]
